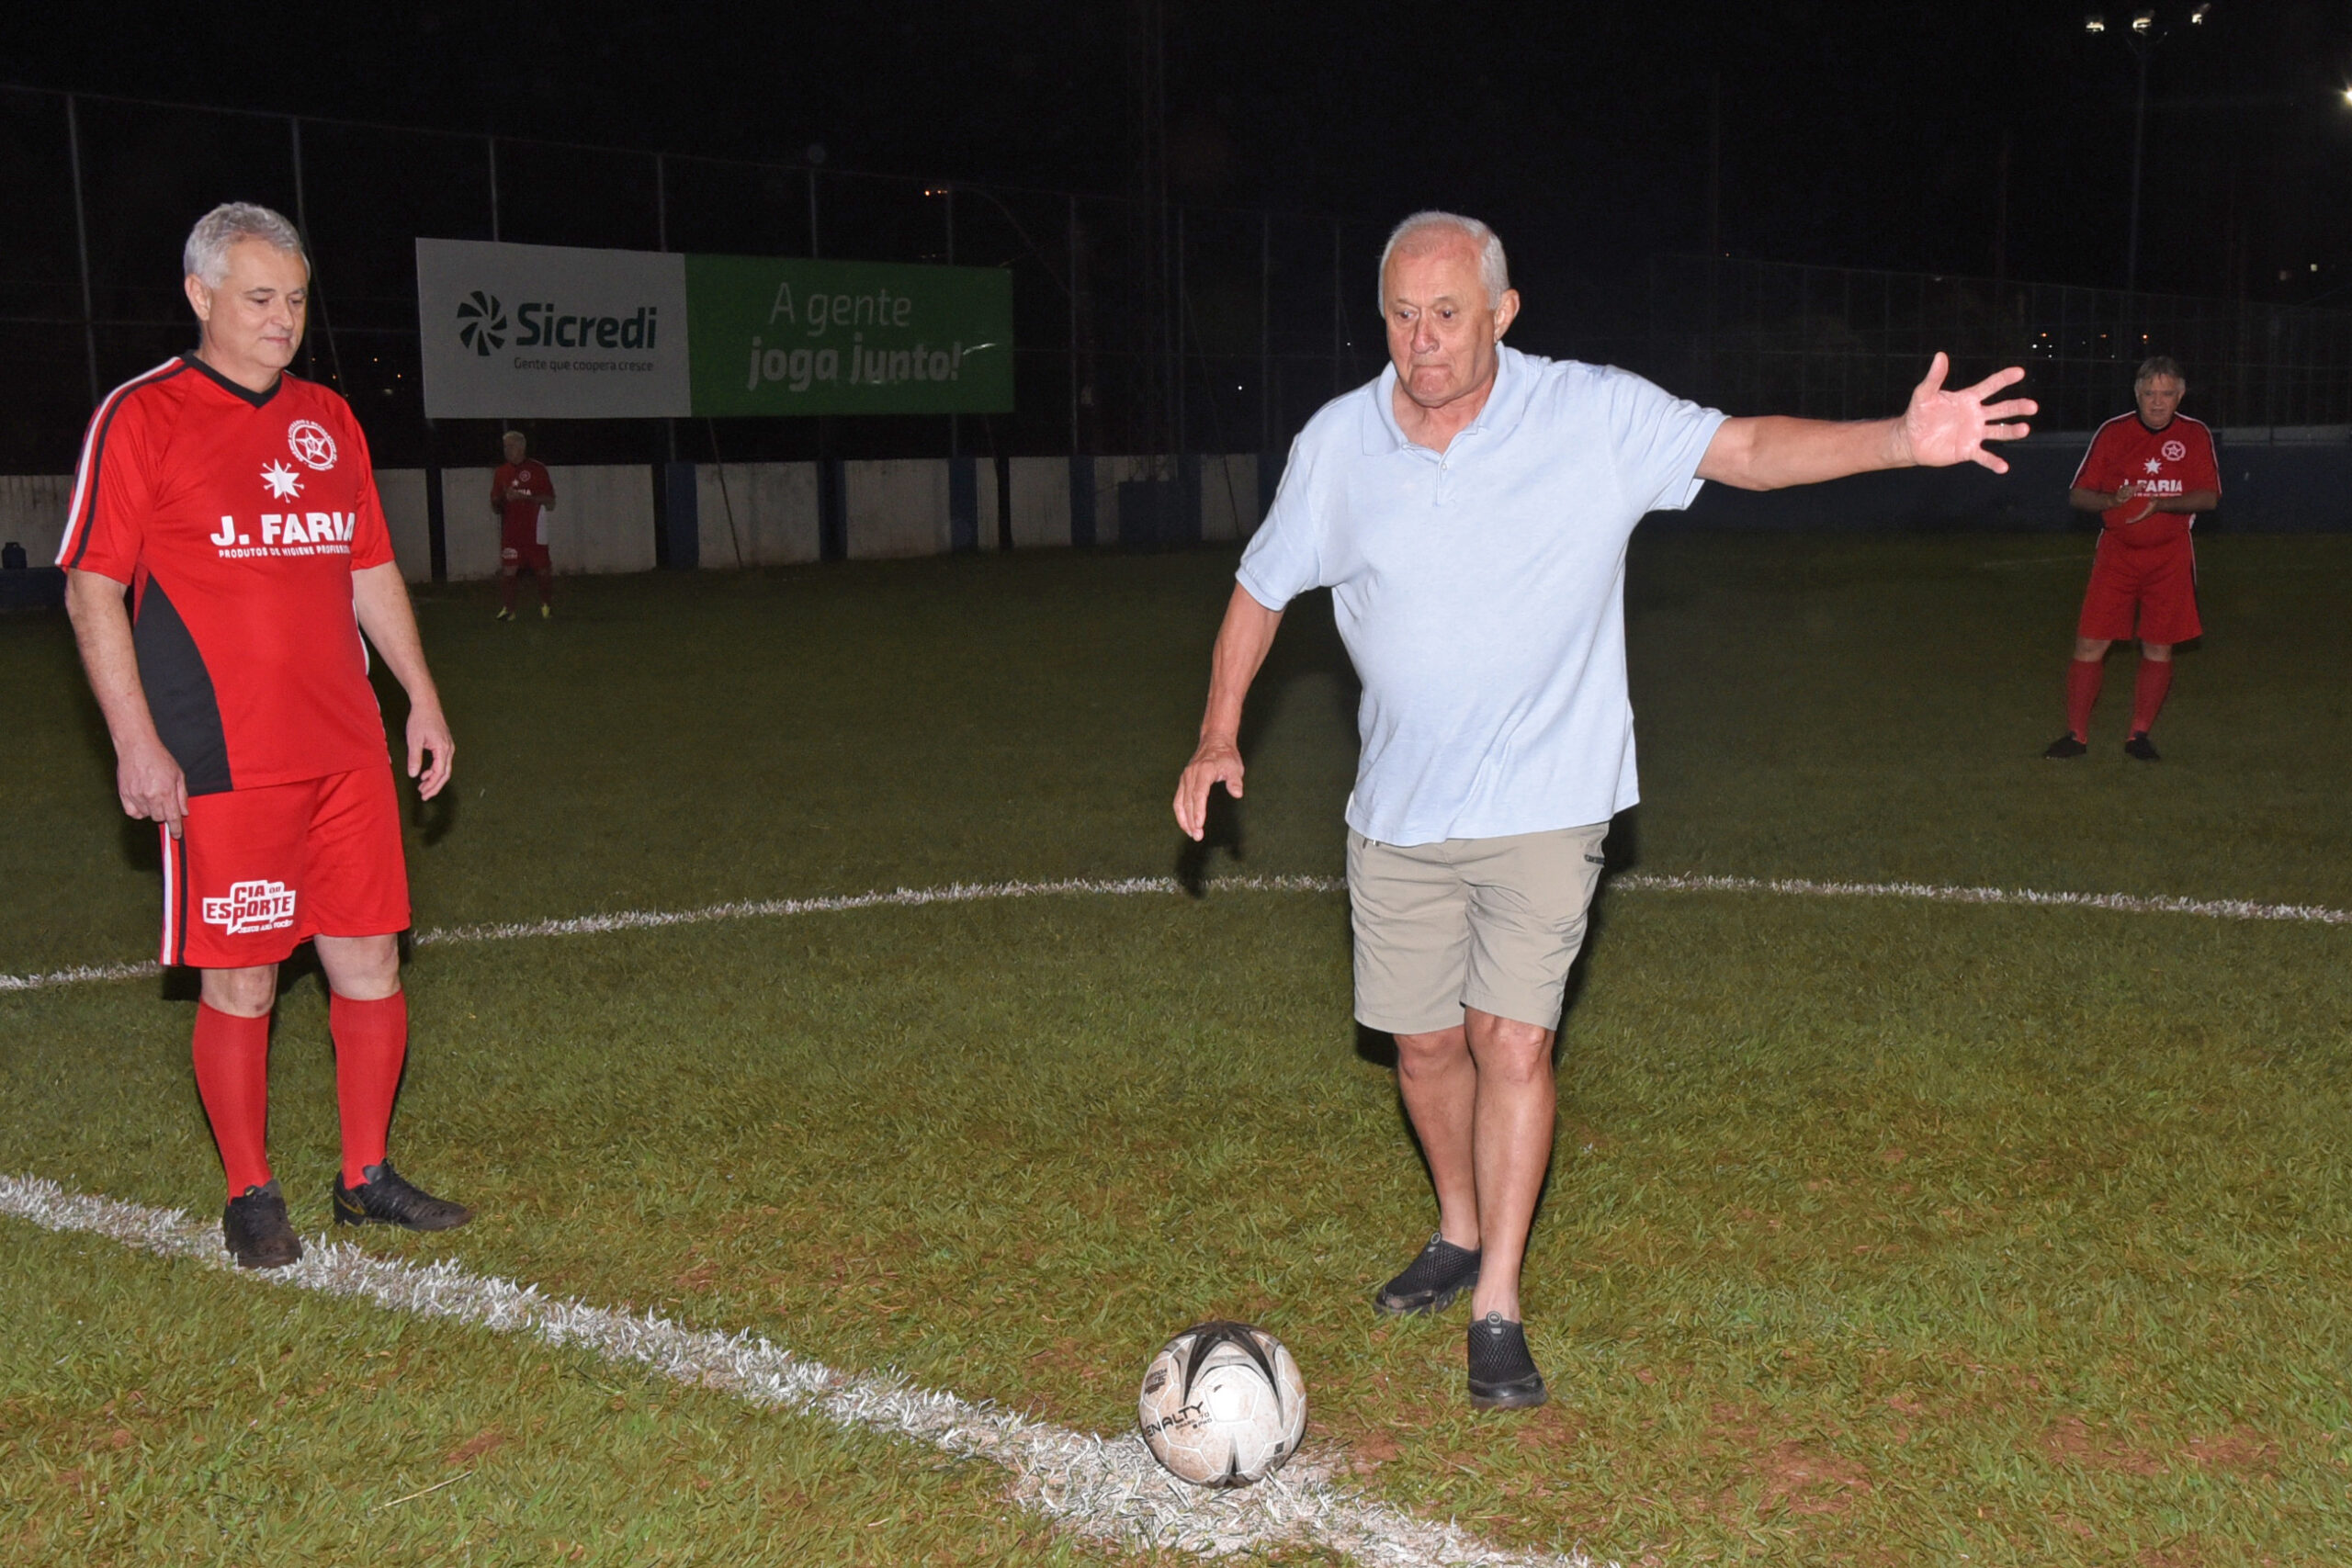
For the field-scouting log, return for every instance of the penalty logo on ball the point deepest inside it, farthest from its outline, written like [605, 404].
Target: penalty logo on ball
[1223, 1404]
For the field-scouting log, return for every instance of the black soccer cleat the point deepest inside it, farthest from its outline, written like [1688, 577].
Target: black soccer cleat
[255, 1230]
[1502, 1374]
[2065, 746]
[1431, 1281]
[2142, 748]
[388, 1198]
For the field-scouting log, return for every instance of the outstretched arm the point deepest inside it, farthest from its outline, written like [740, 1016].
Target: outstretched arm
[1241, 644]
[1939, 429]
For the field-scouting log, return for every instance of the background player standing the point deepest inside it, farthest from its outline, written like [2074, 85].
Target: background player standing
[2147, 475]
[238, 506]
[523, 494]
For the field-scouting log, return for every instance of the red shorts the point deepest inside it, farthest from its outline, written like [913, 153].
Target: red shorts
[520, 547]
[257, 873]
[2147, 591]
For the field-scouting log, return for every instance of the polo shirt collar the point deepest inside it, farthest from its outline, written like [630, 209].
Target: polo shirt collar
[1506, 405]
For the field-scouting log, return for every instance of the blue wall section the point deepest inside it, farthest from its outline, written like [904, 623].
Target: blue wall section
[2284, 487]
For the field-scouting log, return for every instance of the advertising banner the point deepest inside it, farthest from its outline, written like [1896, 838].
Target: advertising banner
[558, 332]
[551, 332]
[775, 337]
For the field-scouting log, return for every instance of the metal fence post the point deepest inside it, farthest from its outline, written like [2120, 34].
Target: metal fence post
[1073, 326]
[82, 242]
[954, 427]
[1265, 332]
[1339, 315]
[490, 145]
[813, 250]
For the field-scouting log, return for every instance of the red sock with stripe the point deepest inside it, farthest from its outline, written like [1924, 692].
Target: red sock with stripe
[370, 1043]
[2082, 679]
[232, 1079]
[2148, 692]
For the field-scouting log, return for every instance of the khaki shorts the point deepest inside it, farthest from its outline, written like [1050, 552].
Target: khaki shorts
[1485, 923]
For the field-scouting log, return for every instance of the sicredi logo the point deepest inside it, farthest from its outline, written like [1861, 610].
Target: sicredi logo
[481, 323]
[545, 325]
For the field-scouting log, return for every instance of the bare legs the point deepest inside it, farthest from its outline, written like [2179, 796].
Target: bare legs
[1481, 1096]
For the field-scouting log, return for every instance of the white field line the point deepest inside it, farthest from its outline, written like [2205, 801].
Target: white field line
[980, 892]
[1105, 1488]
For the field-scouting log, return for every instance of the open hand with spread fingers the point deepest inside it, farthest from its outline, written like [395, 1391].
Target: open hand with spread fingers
[1942, 427]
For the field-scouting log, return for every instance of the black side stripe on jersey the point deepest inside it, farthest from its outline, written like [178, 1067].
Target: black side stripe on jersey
[180, 694]
[80, 523]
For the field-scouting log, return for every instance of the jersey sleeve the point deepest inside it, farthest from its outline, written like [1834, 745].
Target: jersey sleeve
[113, 490]
[498, 483]
[1657, 442]
[2204, 464]
[543, 482]
[1285, 557]
[371, 537]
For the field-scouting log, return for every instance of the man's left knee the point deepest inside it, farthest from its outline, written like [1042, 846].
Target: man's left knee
[364, 968]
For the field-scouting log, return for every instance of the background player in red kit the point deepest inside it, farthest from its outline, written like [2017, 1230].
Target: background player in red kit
[2147, 475]
[522, 494]
[237, 504]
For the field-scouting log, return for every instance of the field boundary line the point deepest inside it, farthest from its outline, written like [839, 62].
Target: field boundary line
[983, 892]
[1106, 1488]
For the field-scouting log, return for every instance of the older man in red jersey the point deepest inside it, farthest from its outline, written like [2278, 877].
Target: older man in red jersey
[236, 506]
[2147, 475]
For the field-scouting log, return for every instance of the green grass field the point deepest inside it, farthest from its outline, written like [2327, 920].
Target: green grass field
[1879, 1232]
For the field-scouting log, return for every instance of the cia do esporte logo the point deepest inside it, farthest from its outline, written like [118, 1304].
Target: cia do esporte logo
[481, 323]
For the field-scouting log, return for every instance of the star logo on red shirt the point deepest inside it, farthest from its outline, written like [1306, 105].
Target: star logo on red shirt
[313, 447]
[2156, 467]
[284, 482]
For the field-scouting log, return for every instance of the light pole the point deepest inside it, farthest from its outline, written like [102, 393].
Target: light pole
[2144, 34]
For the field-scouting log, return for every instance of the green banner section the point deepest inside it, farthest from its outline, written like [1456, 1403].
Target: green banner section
[772, 336]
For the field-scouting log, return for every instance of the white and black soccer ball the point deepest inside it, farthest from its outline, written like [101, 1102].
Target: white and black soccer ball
[1223, 1404]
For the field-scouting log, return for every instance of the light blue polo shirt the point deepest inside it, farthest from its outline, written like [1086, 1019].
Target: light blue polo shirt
[1481, 591]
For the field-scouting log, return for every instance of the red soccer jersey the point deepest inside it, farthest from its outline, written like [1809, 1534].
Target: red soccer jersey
[238, 518]
[2172, 461]
[526, 518]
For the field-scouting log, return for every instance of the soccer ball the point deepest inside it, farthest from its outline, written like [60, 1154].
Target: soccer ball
[1223, 1404]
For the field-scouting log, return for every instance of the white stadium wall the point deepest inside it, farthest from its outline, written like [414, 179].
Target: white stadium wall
[1040, 502]
[32, 512]
[408, 516]
[744, 513]
[755, 513]
[603, 520]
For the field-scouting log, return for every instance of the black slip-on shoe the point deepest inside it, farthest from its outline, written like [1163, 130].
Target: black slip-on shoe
[2142, 748]
[388, 1198]
[2065, 746]
[1431, 1281]
[1502, 1374]
[256, 1231]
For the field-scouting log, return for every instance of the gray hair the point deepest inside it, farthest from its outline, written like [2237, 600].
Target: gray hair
[1493, 270]
[206, 254]
[2157, 365]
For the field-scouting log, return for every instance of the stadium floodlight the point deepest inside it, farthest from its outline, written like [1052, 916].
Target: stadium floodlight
[2144, 34]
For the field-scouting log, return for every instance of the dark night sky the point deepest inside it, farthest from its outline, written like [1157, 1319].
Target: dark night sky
[1867, 135]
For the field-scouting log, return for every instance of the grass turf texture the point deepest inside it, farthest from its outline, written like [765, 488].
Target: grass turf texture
[1878, 1232]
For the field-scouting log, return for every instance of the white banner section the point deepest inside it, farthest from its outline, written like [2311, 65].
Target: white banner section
[550, 331]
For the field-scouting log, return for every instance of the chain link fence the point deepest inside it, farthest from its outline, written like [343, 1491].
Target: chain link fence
[1138, 328]
[1841, 343]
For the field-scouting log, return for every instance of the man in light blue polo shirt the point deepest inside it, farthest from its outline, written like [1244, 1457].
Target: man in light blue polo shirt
[1470, 511]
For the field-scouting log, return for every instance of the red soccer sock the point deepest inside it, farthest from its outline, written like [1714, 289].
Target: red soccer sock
[2148, 692]
[2082, 679]
[232, 1079]
[506, 591]
[370, 1043]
